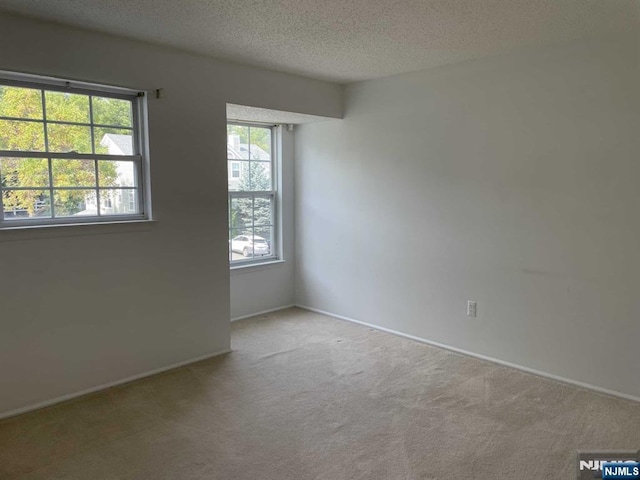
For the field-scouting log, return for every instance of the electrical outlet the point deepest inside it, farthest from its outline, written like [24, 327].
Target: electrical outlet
[472, 308]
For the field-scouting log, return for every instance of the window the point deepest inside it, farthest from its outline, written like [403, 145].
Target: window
[69, 154]
[252, 193]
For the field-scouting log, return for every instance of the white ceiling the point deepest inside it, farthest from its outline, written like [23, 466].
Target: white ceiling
[264, 115]
[343, 40]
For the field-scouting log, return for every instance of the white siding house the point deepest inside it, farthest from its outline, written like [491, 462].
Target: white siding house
[119, 198]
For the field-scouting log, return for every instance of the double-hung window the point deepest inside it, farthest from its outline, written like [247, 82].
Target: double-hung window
[70, 153]
[252, 193]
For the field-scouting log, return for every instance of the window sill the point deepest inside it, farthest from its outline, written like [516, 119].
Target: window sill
[33, 232]
[252, 267]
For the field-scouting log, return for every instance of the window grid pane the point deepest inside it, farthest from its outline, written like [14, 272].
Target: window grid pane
[41, 120]
[67, 181]
[251, 226]
[66, 107]
[27, 203]
[25, 103]
[251, 192]
[22, 136]
[69, 202]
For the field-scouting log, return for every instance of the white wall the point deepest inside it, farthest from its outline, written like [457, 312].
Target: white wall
[267, 287]
[83, 306]
[512, 181]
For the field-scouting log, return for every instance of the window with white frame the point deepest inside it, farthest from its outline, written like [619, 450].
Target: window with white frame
[252, 193]
[70, 153]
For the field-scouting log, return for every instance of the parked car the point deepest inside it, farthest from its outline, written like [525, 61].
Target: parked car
[250, 246]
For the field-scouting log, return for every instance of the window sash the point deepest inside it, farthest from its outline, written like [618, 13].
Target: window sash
[97, 188]
[272, 225]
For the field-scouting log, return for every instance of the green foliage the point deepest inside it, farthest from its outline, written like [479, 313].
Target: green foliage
[254, 178]
[27, 172]
[111, 112]
[249, 216]
[20, 103]
[18, 135]
[21, 136]
[67, 107]
[249, 212]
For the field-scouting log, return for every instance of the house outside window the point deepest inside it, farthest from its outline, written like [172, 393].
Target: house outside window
[252, 193]
[70, 152]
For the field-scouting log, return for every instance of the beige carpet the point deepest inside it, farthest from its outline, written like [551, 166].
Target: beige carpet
[304, 396]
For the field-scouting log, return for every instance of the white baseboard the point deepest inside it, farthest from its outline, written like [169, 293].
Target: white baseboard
[263, 312]
[104, 386]
[64, 398]
[532, 371]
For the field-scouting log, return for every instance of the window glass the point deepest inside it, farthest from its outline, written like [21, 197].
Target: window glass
[112, 112]
[113, 141]
[73, 202]
[116, 174]
[66, 107]
[21, 204]
[20, 136]
[24, 172]
[20, 102]
[73, 173]
[260, 144]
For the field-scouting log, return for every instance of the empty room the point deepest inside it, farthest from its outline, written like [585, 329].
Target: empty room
[319, 240]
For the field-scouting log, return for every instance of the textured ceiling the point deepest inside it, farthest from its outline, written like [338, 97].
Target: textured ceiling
[265, 115]
[343, 40]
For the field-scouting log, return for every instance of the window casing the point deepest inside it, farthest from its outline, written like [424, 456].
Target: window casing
[70, 153]
[253, 195]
